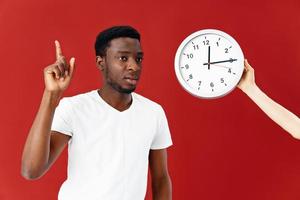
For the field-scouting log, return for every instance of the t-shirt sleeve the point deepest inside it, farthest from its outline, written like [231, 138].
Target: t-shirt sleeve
[162, 138]
[62, 121]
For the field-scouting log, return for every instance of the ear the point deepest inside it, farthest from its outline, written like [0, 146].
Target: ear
[100, 62]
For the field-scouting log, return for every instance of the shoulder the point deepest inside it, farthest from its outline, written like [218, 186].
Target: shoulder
[79, 99]
[147, 103]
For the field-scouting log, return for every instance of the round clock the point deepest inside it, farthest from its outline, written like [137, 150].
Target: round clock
[209, 63]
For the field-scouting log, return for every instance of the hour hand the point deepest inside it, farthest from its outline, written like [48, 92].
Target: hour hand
[222, 61]
[208, 62]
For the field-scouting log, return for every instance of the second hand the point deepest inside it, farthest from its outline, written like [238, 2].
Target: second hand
[221, 66]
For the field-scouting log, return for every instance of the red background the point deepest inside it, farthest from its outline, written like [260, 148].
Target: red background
[223, 149]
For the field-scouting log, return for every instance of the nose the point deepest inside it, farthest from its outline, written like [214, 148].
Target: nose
[134, 66]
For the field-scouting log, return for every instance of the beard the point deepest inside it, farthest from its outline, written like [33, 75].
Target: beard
[120, 89]
[116, 86]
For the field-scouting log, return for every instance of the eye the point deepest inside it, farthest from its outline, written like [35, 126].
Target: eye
[123, 58]
[139, 60]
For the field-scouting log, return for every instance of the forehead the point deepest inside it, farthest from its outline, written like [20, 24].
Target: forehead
[125, 44]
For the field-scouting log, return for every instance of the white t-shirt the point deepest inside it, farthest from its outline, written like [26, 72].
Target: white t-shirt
[108, 151]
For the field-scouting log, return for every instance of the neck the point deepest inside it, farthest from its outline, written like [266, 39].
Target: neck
[119, 101]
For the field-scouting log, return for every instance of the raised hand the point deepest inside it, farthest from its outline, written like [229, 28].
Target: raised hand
[58, 75]
[42, 147]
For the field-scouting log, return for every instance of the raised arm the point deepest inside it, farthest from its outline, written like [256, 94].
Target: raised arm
[283, 117]
[43, 146]
[161, 182]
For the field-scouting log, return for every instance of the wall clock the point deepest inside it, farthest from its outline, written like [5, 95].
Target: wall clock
[209, 63]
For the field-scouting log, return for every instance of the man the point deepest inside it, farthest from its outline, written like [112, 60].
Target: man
[111, 132]
[280, 115]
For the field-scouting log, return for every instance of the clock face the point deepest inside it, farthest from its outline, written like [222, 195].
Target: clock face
[209, 63]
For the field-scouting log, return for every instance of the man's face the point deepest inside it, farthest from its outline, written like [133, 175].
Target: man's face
[122, 64]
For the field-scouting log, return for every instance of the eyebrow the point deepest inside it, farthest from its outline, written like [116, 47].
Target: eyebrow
[128, 52]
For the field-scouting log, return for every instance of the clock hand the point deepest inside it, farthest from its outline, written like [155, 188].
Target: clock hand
[208, 63]
[220, 66]
[230, 60]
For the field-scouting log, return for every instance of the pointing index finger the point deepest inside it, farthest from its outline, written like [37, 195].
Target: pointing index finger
[58, 50]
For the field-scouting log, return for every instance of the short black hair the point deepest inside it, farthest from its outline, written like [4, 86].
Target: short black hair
[103, 39]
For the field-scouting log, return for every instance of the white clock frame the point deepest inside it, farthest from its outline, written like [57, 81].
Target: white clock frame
[238, 61]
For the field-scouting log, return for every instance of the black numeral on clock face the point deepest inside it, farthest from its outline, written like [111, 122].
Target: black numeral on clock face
[191, 76]
[199, 83]
[227, 49]
[223, 81]
[229, 71]
[189, 56]
[186, 66]
[212, 86]
[206, 42]
[218, 41]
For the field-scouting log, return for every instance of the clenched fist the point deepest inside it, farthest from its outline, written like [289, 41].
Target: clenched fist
[58, 75]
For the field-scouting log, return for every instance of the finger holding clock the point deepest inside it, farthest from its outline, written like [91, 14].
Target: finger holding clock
[248, 78]
[248, 70]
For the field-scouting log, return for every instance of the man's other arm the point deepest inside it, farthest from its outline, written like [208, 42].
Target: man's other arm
[161, 181]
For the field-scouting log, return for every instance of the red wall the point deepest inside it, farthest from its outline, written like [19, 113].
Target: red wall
[223, 149]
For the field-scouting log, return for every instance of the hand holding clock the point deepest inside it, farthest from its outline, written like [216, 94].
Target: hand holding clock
[280, 115]
[247, 81]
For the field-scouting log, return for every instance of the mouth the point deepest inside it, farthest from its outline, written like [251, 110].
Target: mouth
[131, 80]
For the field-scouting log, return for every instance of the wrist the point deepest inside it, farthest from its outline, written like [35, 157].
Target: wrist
[251, 90]
[52, 97]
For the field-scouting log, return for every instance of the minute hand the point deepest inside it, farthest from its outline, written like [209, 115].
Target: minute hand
[222, 61]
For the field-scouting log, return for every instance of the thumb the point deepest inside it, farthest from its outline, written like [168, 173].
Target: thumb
[247, 65]
[72, 67]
